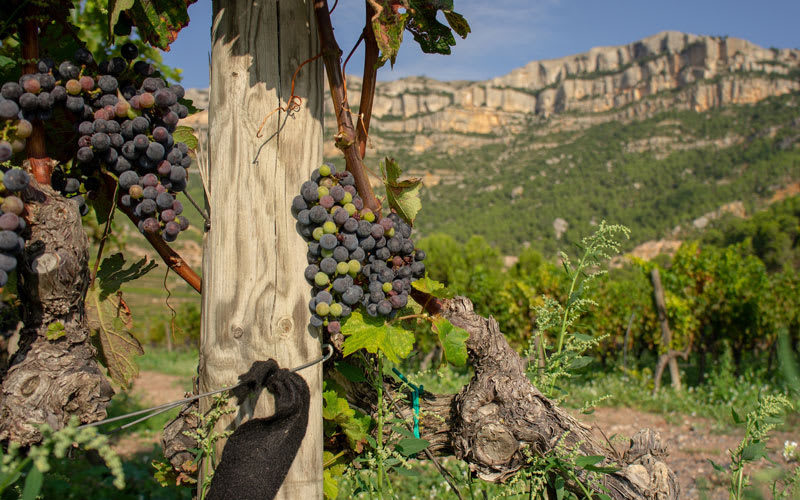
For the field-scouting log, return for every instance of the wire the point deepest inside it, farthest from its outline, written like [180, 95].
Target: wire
[156, 410]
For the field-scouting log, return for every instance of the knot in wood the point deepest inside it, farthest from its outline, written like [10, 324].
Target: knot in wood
[45, 263]
[29, 386]
[285, 326]
[495, 445]
[237, 332]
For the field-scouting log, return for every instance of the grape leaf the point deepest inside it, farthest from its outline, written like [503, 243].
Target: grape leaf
[55, 330]
[432, 287]
[432, 36]
[453, 340]
[110, 317]
[388, 26]
[403, 196]
[112, 274]
[158, 21]
[185, 135]
[373, 334]
[115, 8]
[337, 410]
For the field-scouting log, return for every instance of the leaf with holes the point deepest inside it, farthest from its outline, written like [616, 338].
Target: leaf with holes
[115, 8]
[373, 335]
[432, 36]
[453, 340]
[403, 196]
[110, 318]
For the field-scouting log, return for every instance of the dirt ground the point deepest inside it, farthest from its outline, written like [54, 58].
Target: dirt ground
[692, 440]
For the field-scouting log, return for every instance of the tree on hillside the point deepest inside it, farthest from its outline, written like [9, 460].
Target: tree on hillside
[265, 141]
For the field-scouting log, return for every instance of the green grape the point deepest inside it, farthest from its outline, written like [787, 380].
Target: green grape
[322, 191]
[367, 215]
[389, 233]
[325, 170]
[323, 309]
[325, 252]
[351, 209]
[336, 309]
[317, 233]
[354, 266]
[329, 227]
[342, 268]
[348, 198]
[387, 287]
[321, 279]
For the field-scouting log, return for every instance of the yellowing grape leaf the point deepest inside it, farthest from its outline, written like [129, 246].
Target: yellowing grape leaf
[388, 26]
[453, 340]
[185, 135]
[111, 319]
[403, 196]
[157, 21]
[373, 335]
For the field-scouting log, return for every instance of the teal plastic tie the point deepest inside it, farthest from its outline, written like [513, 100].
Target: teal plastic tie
[416, 391]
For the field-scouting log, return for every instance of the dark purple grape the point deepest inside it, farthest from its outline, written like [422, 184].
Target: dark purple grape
[160, 134]
[8, 109]
[82, 56]
[129, 51]
[183, 222]
[69, 71]
[127, 179]
[170, 119]
[74, 104]
[177, 174]
[165, 98]
[164, 201]
[143, 68]
[140, 125]
[9, 222]
[7, 262]
[150, 225]
[101, 141]
[72, 185]
[11, 90]
[85, 155]
[164, 168]
[155, 151]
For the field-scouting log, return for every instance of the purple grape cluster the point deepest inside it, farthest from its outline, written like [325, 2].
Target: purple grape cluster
[125, 117]
[353, 259]
[11, 222]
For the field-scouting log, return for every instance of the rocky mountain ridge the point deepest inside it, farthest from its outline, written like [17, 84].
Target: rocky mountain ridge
[669, 70]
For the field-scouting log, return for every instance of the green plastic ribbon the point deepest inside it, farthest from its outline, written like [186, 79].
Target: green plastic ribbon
[416, 391]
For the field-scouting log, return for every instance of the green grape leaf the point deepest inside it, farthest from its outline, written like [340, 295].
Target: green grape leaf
[330, 486]
[432, 36]
[185, 135]
[115, 8]
[159, 21]
[403, 196]
[350, 372]
[112, 274]
[453, 340]
[373, 335]
[110, 317]
[337, 410]
[432, 287]
[411, 446]
[388, 26]
[6, 62]
[55, 330]
[458, 23]
[190, 107]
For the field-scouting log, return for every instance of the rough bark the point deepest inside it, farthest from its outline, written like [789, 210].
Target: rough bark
[666, 337]
[254, 305]
[50, 380]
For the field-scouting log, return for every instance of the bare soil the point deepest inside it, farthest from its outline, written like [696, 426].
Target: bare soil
[692, 442]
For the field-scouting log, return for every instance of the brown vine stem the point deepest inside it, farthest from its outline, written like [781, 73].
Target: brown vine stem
[346, 136]
[368, 81]
[41, 166]
[170, 257]
[428, 302]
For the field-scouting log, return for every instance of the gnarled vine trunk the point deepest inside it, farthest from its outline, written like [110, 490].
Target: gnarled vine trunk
[50, 380]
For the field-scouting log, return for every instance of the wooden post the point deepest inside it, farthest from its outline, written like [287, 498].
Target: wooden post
[666, 336]
[254, 295]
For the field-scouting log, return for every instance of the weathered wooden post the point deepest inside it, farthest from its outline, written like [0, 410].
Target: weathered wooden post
[254, 294]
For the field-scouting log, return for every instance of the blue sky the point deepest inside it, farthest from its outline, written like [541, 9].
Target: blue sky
[507, 34]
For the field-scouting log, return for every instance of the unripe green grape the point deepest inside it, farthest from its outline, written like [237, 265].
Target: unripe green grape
[387, 287]
[317, 233]
[325, 252]
[321, 279]
[322, 191]
[347, 198]
[367, 215]
[389, 233]
[335, 309]
[323, 309]
[342, 268]
[354, 266]
[329, 227]
[351, 209]
[324, 170]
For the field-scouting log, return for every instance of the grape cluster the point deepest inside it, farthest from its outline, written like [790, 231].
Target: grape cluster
[125, 117]
[11, 222]
[353, 258]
